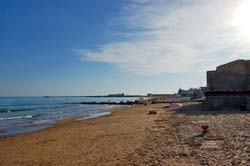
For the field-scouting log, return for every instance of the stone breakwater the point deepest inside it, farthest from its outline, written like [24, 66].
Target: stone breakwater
[113, 103]
[145, 101]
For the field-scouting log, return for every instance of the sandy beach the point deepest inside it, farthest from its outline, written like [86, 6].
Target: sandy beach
[129, 136]
[107, 140]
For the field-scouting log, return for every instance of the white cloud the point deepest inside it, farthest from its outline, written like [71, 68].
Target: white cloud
[174, 36]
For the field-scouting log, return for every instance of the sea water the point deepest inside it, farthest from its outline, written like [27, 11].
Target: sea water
[16, 113]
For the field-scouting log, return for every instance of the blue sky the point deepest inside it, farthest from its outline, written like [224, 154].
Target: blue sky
[91, 47]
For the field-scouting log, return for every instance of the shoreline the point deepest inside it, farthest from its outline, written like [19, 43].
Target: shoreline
[35, 127]
[107, 139]
[132, 136]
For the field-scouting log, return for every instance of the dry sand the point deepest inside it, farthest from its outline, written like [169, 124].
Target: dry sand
[132, 137]
[105, 140]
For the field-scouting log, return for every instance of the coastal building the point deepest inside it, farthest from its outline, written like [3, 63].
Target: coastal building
[160, 95]
[229, 86]
[191, 92]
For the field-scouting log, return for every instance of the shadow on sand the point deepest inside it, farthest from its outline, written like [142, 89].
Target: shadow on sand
[199, 109]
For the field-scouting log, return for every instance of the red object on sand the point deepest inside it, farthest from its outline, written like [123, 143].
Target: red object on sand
[205, 128]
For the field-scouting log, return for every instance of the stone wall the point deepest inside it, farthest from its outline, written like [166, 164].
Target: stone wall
[233, 77]
[238, 66]
[227, 81]
[222, 102]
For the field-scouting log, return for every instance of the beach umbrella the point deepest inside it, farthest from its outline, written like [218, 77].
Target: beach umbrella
[175, 106]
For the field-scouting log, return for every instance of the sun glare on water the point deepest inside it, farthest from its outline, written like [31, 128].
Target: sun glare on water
[242, 18]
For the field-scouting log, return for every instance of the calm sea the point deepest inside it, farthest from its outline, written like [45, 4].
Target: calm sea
[16, 113]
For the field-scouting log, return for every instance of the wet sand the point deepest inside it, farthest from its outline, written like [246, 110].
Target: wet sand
[132, 137]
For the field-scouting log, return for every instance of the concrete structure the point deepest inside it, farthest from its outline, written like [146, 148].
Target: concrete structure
[229, 86]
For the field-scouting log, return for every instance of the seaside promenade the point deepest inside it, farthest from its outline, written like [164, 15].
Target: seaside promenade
[130, 136]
